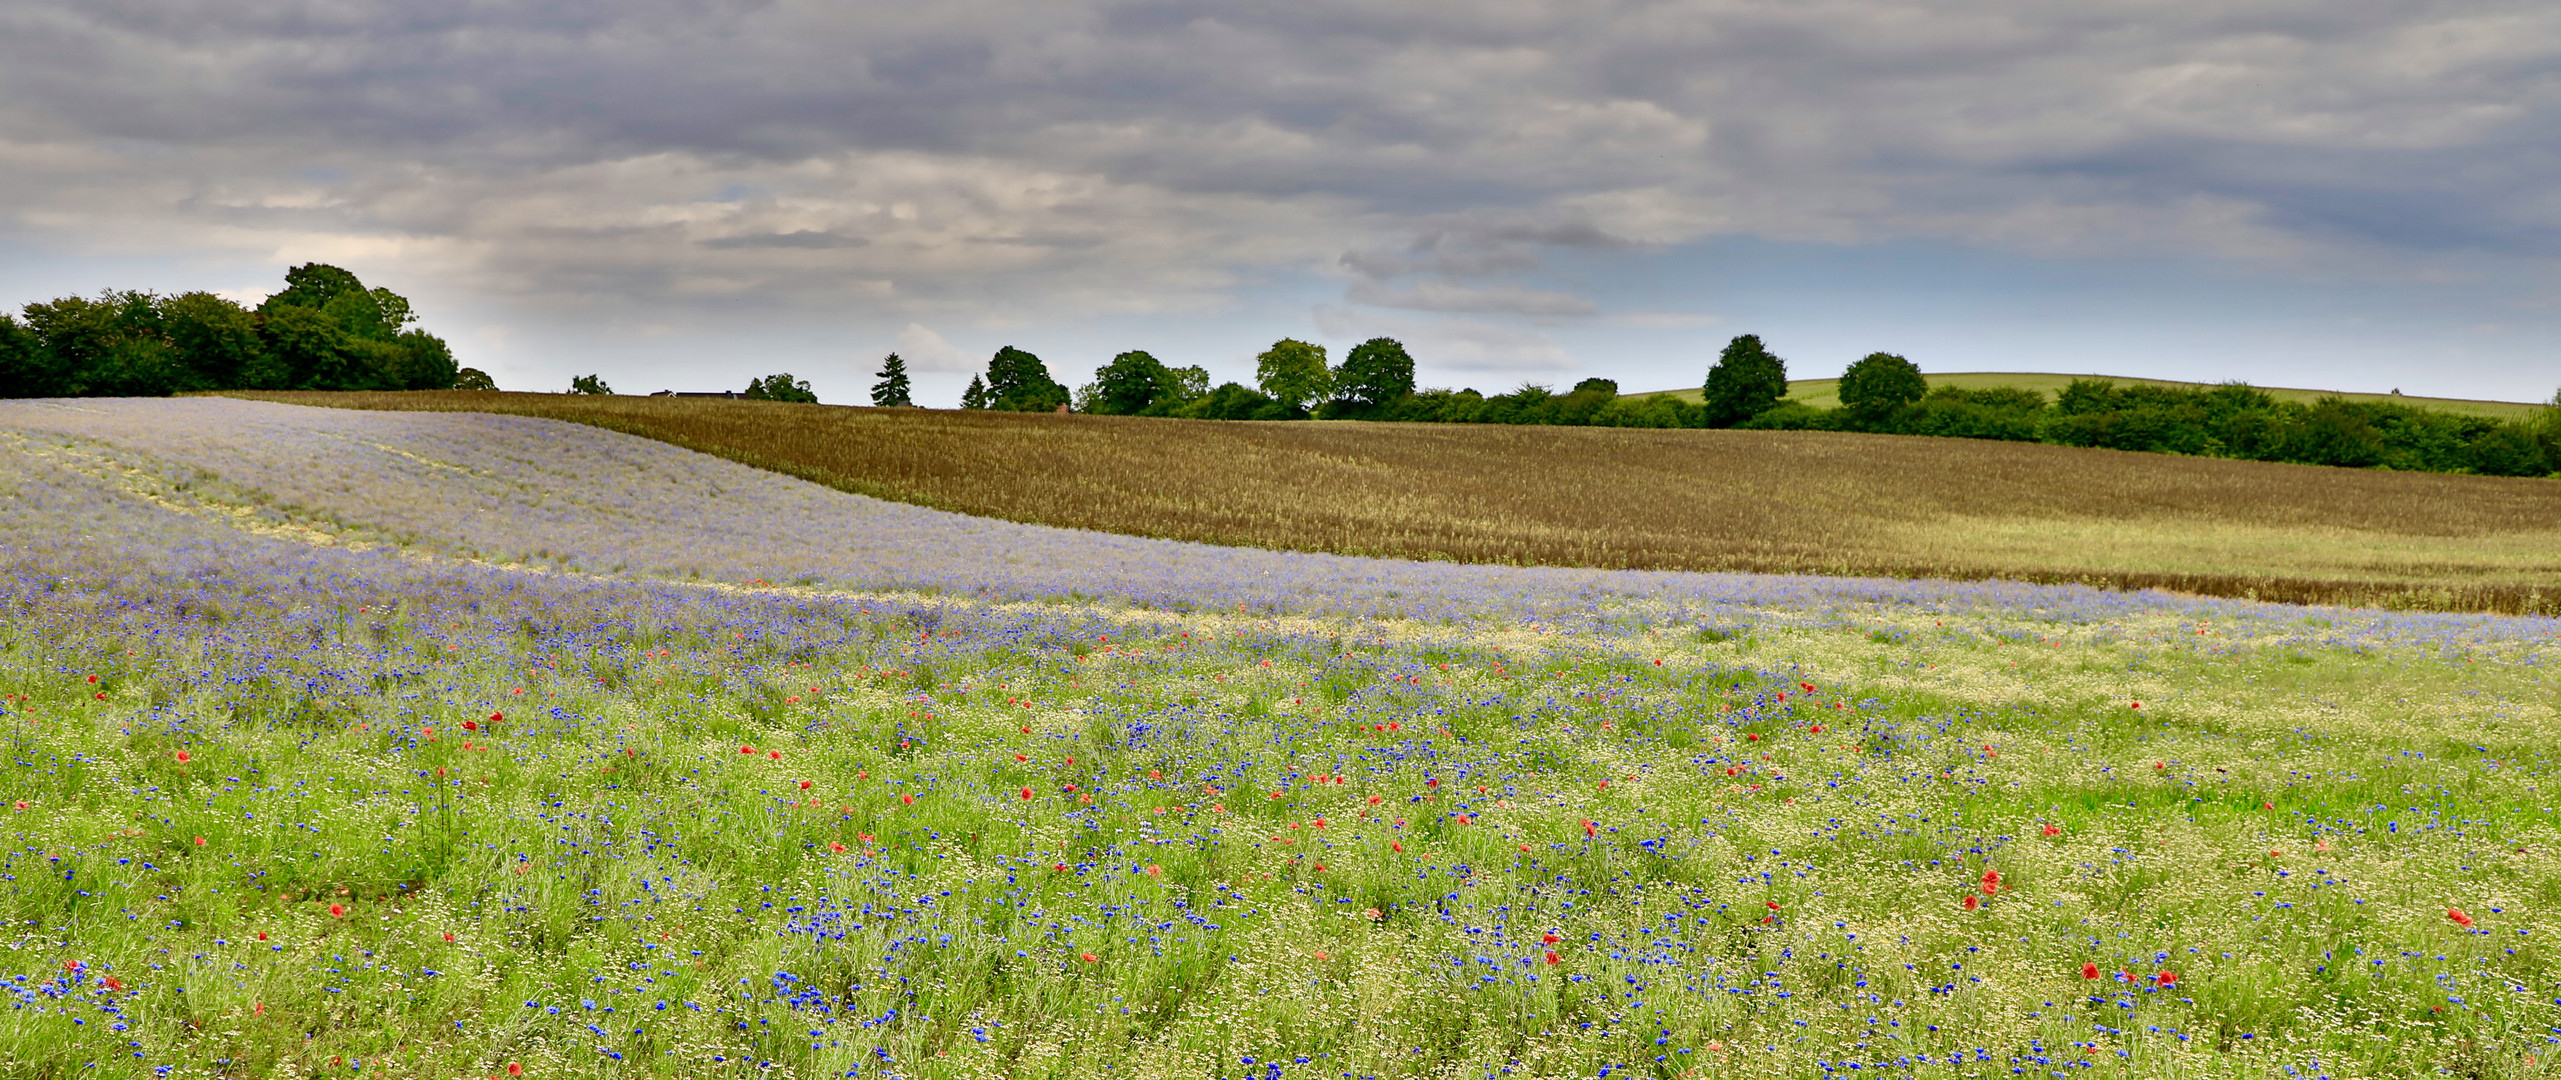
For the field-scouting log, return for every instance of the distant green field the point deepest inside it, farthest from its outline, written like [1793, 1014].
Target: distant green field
[1825, 393]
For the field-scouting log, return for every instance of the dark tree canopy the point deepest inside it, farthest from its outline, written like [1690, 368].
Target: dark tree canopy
[1880, 383]
[324, 331]
[976, 396]
[1018, 382]
[589, 384]
[780, 387]
[472, 378]
[1745, 382]
[1131, 384]
[1375, 374]
[892, 390]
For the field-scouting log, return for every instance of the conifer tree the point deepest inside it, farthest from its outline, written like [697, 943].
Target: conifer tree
[892, 389]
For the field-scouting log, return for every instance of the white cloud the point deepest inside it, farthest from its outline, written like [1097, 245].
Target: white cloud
[925, 350]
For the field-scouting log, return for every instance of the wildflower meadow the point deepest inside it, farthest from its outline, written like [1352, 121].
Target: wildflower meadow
[450, 745]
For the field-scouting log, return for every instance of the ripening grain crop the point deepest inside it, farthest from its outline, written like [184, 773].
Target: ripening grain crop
[1755, 501]
[378, 744]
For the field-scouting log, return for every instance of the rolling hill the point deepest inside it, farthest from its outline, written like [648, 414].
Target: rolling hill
[1785, 502]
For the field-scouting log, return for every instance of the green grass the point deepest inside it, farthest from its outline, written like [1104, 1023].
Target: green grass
[1825, 393]
[2283, 822]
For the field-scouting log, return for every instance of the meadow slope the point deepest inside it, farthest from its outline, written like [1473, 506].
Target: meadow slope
[436, 745]
[1782, 502]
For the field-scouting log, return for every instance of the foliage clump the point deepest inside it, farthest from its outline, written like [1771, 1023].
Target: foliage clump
[324, 331]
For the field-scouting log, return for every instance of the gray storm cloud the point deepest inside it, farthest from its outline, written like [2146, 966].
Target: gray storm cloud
[941, 159]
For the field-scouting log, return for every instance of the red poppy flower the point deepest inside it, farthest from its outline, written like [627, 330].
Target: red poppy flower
[184, 757]
[836, 846]
[1027, 793]
[2166, 978]
[471, 725]
[1772, 903]
[746, 750]
[1991, 882]
[337, 911]
[200, 841]
[907, 799]
[2051, 830]
[1087, 957]
[515, 1069]
[2460, 919]
[776, 755]
[804, 785]
[1399, 845]
[497, 716]
[449, 937]
[2089, 971]
[1972, 902]
[1552, 958]
[1550, 939]
[112, 984]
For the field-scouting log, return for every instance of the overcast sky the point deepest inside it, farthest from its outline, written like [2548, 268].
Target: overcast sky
[2355, 194]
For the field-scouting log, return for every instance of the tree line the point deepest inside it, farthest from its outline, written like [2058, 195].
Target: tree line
[1747, 388]
[324, 331]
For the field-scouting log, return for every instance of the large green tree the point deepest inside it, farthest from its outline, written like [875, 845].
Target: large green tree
[1746, 381]
[1130, 384]
[360, 340]
[217, 339]
[1018, 382]
[1375, 374]
[892, 390]
[1879, 384]
[1293, 374]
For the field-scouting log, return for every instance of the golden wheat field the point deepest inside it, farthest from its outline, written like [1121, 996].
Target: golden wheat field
[1810, 502]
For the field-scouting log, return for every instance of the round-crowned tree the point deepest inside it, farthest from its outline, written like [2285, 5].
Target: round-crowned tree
[1129, 384]
[1293, 373]
[1374, 374]
[1746, 382]
[1879, 384]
